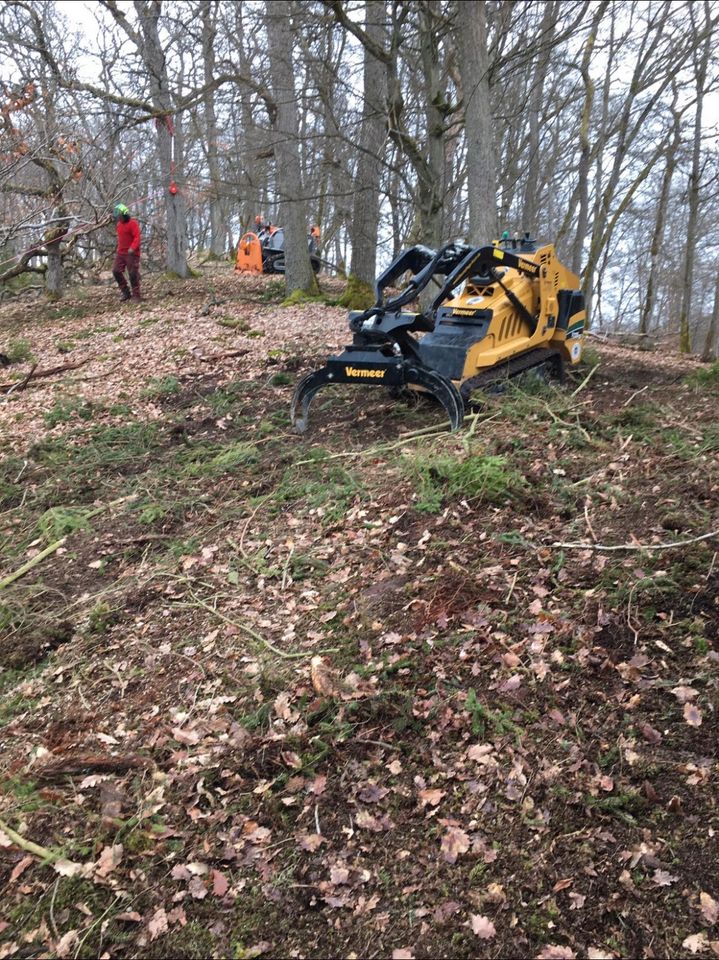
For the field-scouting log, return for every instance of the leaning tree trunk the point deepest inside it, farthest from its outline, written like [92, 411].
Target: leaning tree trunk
[471, 35]
[365, 214]
[298, 268]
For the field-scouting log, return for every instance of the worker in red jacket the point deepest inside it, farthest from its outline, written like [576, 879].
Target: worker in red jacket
[128, 253]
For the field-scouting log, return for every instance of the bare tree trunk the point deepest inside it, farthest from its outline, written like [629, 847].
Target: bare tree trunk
[56, 182]
[394, 204]
[711, 342]
[365, 214]
[254, 144]
[431, 173]
[298, 268]
[333, 211]
[701, 63]
[532, 198]
[657, 244]
[153, 56]
[218, 232]
[55, 272]
[54, 275]
[471, 38]
[585, 146]
[604, 124]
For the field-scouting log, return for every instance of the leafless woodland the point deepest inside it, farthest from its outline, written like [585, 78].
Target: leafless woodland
[588, 122]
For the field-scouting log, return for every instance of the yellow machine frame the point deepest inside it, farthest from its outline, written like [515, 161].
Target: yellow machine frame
[508, 334]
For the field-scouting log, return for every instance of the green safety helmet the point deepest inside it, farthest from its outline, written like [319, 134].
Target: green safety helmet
[120, 211]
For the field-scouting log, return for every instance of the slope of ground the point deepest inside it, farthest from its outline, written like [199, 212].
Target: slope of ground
[361, 693]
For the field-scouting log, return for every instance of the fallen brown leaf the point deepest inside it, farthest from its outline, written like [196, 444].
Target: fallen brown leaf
[695, 942]
[110, 858]
[709, 907]
[431, 797]
[310, 841]
[454, 843]
[482, 926]
[157, 926]
[66, 944]
[324, 678]
[692, 715]
[220, 884]
[20, 868]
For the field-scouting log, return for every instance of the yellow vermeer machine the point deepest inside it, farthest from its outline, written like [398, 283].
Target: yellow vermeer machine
[501, 310]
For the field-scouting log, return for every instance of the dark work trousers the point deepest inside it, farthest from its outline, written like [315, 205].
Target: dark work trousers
[131, 263]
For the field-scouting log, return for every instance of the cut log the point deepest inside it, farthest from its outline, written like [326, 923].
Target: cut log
[36, 374]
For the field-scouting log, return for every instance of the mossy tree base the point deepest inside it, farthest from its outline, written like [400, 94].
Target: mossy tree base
[358, 295]
[298, 297]
[189, 274]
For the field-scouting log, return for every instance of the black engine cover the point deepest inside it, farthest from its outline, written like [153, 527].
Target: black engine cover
[445, 349]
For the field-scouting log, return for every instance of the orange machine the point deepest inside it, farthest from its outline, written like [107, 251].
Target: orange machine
[264, 250]
[249, 254]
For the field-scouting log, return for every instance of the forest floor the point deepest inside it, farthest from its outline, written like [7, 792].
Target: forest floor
[352, 694]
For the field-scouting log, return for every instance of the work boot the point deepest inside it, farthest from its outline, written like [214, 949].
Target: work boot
[124, 294]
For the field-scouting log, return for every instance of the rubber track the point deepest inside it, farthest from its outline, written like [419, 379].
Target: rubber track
[505, 371]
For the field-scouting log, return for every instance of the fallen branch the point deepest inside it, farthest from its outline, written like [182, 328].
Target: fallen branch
[90, 763]
[637, 546]
[196, 602]
[376, 743]
[424, 433]
[38, 558]
[635, 394]
[586, 380]
[566, 423]
[39, 374]
[26, 567]
[588, 521]
[249, 631]
[145, 538]
[223, 356]
[212, 302]
[99, 376]
[45, 853]
[21, 384]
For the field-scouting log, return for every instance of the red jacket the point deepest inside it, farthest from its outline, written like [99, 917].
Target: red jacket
[128, 236]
